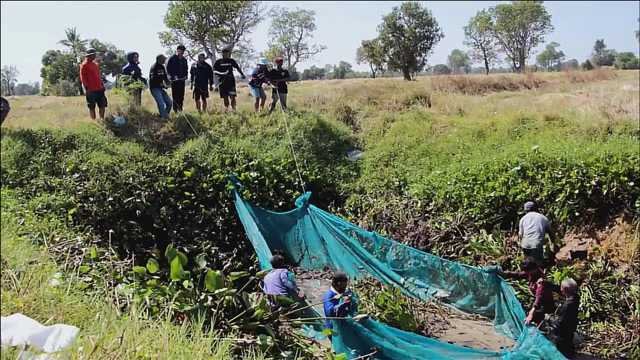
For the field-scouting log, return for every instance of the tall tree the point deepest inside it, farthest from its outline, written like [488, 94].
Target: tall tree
[208, 26]
[8, 79]
[519, 27]
[341, 70]
[291, 33]
[602, 56]
[551, 58]
[479, 37]
[408, 35]
[74, 43]
[111, 58]
[371, 52]
[459, 61]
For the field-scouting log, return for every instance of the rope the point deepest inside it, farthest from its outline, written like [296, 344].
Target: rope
[293, 152]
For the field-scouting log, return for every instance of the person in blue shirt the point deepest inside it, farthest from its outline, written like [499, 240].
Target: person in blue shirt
[339, 301]
[259, 77]
[280, 282]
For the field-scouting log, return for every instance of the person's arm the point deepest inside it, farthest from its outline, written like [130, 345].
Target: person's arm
[520, 230]
[235, 65]
[210, 77]
[537, 303]
[513, 274]
[170, 68]
[193, 76]
[83, 75]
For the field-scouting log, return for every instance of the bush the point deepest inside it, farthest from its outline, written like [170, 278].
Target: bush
[64, 88]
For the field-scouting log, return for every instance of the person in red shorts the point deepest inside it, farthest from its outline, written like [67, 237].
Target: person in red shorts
[92, 82]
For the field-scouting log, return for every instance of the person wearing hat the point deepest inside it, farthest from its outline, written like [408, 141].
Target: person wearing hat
[259, 77]
[92, 81]
[224, 78]
[541, 289]
[278, 77]
[201, 82]
[177, 70]
[132, 69]
[158, 82]
[531, 231]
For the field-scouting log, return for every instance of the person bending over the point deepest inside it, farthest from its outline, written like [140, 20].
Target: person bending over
[280, 282]
[339, 301]
[563, 325]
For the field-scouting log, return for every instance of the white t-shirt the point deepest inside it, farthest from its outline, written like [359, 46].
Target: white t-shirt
[533, 226]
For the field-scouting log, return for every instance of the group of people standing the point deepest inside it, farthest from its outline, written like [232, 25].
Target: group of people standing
[174, 72]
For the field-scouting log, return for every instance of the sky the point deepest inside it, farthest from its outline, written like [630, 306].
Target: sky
[28, 29]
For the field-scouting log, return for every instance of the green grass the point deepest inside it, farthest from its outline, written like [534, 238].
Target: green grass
[105, 333]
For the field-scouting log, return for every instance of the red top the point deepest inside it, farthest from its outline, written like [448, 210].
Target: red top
[90, 76]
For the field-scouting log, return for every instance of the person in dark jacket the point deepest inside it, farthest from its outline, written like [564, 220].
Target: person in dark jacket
[278, 77]
[339, 301]
[225, 80]
[4, 109]
[158, 81]
[564, 324]
[201, 81]
[132, 69]
[259, 77]
[177, 70]
[541, 289]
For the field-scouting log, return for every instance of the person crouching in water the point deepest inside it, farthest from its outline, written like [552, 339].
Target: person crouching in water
[563, 325]
[339, 301]
[201, 82]
[279, 77]
[158, 82]
[280, 282]
[259, 77]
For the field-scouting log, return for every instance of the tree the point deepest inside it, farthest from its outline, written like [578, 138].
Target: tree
[479, 37]
[75, 44]
[56, 67]
[208, 26]
[602, 56]
[408, 35]
[627, 61]
[572, 64]
[8, 79]
[371, 52]
[341, 70]
[551, 58]
[111, 58]
[291, 32]
[441, 69]
[519, 27]
[313, 73]
[459, 61]
[27, 89]
[587, 65]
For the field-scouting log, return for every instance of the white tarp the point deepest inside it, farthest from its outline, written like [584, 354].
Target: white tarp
[20, 330]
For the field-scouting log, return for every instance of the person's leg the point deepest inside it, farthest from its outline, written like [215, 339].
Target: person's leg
[91, 104]
[233, 103]
[274, 101]
[167, 103]
[196, 96]
[283, 101]
[156, 93]
[180, 95]
[101, 110]
[102, 104]
[204, 104]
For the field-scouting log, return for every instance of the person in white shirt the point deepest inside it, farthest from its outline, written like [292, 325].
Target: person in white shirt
[532, 230]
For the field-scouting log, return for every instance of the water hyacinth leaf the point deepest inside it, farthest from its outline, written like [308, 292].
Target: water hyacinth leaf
[177, 272]
[83, 269]
[140, 270]
[170, 252]
[93, 253]
[214, 280]
[183, 258]
[153, 266]
[201, 261]
[235, 275]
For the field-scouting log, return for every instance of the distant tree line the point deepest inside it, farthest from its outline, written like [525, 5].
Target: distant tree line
[9, 83]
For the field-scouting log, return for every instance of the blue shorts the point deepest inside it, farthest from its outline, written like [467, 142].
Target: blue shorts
[257, 92]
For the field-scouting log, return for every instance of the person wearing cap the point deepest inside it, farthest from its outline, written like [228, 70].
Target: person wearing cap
[158, 82]
[278, 77]
[224, 78]
[177, 70]
[201, 82]
[92, 81]
[132, 69]
[259, 77]
[532, 229]
[541, 289]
